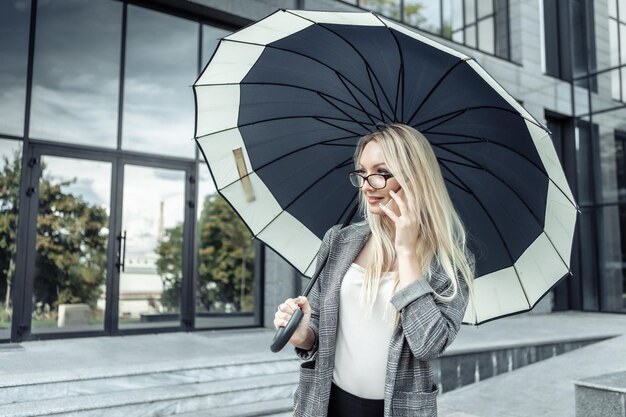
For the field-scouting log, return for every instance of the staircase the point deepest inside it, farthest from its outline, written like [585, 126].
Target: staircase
[261, 387]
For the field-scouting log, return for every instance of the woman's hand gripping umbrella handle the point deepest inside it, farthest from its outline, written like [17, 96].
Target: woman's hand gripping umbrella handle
[283, 334]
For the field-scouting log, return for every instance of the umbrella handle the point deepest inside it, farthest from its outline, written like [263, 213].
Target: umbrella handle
[283, 334]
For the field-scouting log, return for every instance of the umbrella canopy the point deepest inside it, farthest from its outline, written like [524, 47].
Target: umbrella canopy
[283, 102]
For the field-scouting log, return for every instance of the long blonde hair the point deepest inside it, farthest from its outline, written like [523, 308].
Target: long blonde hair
[410, 158]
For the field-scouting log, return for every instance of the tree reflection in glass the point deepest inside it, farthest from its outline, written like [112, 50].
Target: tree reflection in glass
[10, 154]
[71, 246]
[389, 8]
[225, 262]
[423, 14]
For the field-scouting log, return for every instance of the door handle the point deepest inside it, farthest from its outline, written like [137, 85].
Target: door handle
[121, 254]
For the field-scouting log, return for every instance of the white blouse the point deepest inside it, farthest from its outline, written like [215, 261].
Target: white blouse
[362, 339]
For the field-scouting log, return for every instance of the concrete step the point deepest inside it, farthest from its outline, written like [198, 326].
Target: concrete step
[465, 367]
[163, 401]
[124, 379]
[273, 408]
[603, 395]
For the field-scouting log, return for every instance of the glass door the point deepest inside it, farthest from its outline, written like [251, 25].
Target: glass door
[71, 244]
[150, 258]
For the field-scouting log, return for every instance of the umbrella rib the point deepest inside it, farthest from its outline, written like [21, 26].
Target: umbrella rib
[369, 77]
[296, 87]
[321, 119]
[482, 140]
[457, 113]
[305, 56]
[341, 78]
[400, 72]
[480, 167]
[432, 90]
[273, 119]
[367, 65]
[458, 185]
[340, 165]
[497, 230]
[260, 167]
[323, 96]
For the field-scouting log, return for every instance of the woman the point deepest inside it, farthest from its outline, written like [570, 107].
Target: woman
[393, 292]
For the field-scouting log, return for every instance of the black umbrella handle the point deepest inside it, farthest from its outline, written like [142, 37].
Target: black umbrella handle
[283, 334]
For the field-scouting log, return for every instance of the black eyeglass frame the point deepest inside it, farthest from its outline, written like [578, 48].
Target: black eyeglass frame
[352, 174]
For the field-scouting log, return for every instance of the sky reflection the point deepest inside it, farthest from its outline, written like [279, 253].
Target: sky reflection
[14, 24]
[161, 66]
[76, 72]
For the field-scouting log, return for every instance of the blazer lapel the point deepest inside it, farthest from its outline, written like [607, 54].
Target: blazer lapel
[344, 251]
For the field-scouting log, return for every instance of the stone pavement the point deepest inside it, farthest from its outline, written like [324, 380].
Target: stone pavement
[545, 388]
[542, 389]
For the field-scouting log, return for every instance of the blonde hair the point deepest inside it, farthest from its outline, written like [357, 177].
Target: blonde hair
[410, 158]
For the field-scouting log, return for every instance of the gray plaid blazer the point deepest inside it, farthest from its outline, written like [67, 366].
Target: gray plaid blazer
[427, 326]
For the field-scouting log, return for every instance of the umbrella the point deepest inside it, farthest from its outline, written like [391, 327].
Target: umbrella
[283, 102]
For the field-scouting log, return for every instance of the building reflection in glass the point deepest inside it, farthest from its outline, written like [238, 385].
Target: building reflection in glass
[152, 218]
[10, 172]
[71, 245]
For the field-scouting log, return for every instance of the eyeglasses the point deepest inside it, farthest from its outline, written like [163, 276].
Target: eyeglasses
[377, 181]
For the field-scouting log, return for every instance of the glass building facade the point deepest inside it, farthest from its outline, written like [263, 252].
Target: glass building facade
[110, 223]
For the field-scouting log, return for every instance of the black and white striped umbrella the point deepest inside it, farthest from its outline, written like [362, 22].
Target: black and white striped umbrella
[283, 102]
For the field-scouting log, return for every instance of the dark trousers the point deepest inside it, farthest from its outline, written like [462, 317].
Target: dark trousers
[344, 404]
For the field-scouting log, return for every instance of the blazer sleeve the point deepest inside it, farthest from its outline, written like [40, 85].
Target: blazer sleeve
[314, 300]
[429, 325]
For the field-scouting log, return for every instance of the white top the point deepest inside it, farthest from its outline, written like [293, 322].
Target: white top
[363, 341]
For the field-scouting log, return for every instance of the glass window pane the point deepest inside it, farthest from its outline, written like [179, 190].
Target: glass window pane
[69, 290]
[470, 36]
[502, 31]
[458, 36]
[226, 258]
[423, 14]
[470, 12]
[613, 42]
[153, 223]
[210, 38]
[161, 66]
[613, 8]
[623, 83]
[615, 85]
[584, 165]
[485, 35]
[620, 170]
[11, 154]
[14, 24]
[452, 14]
[612, 238]
[485, 8]
[621, 10]
[389, 8]
[76, 72]
[622, 40]
[589, 263]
